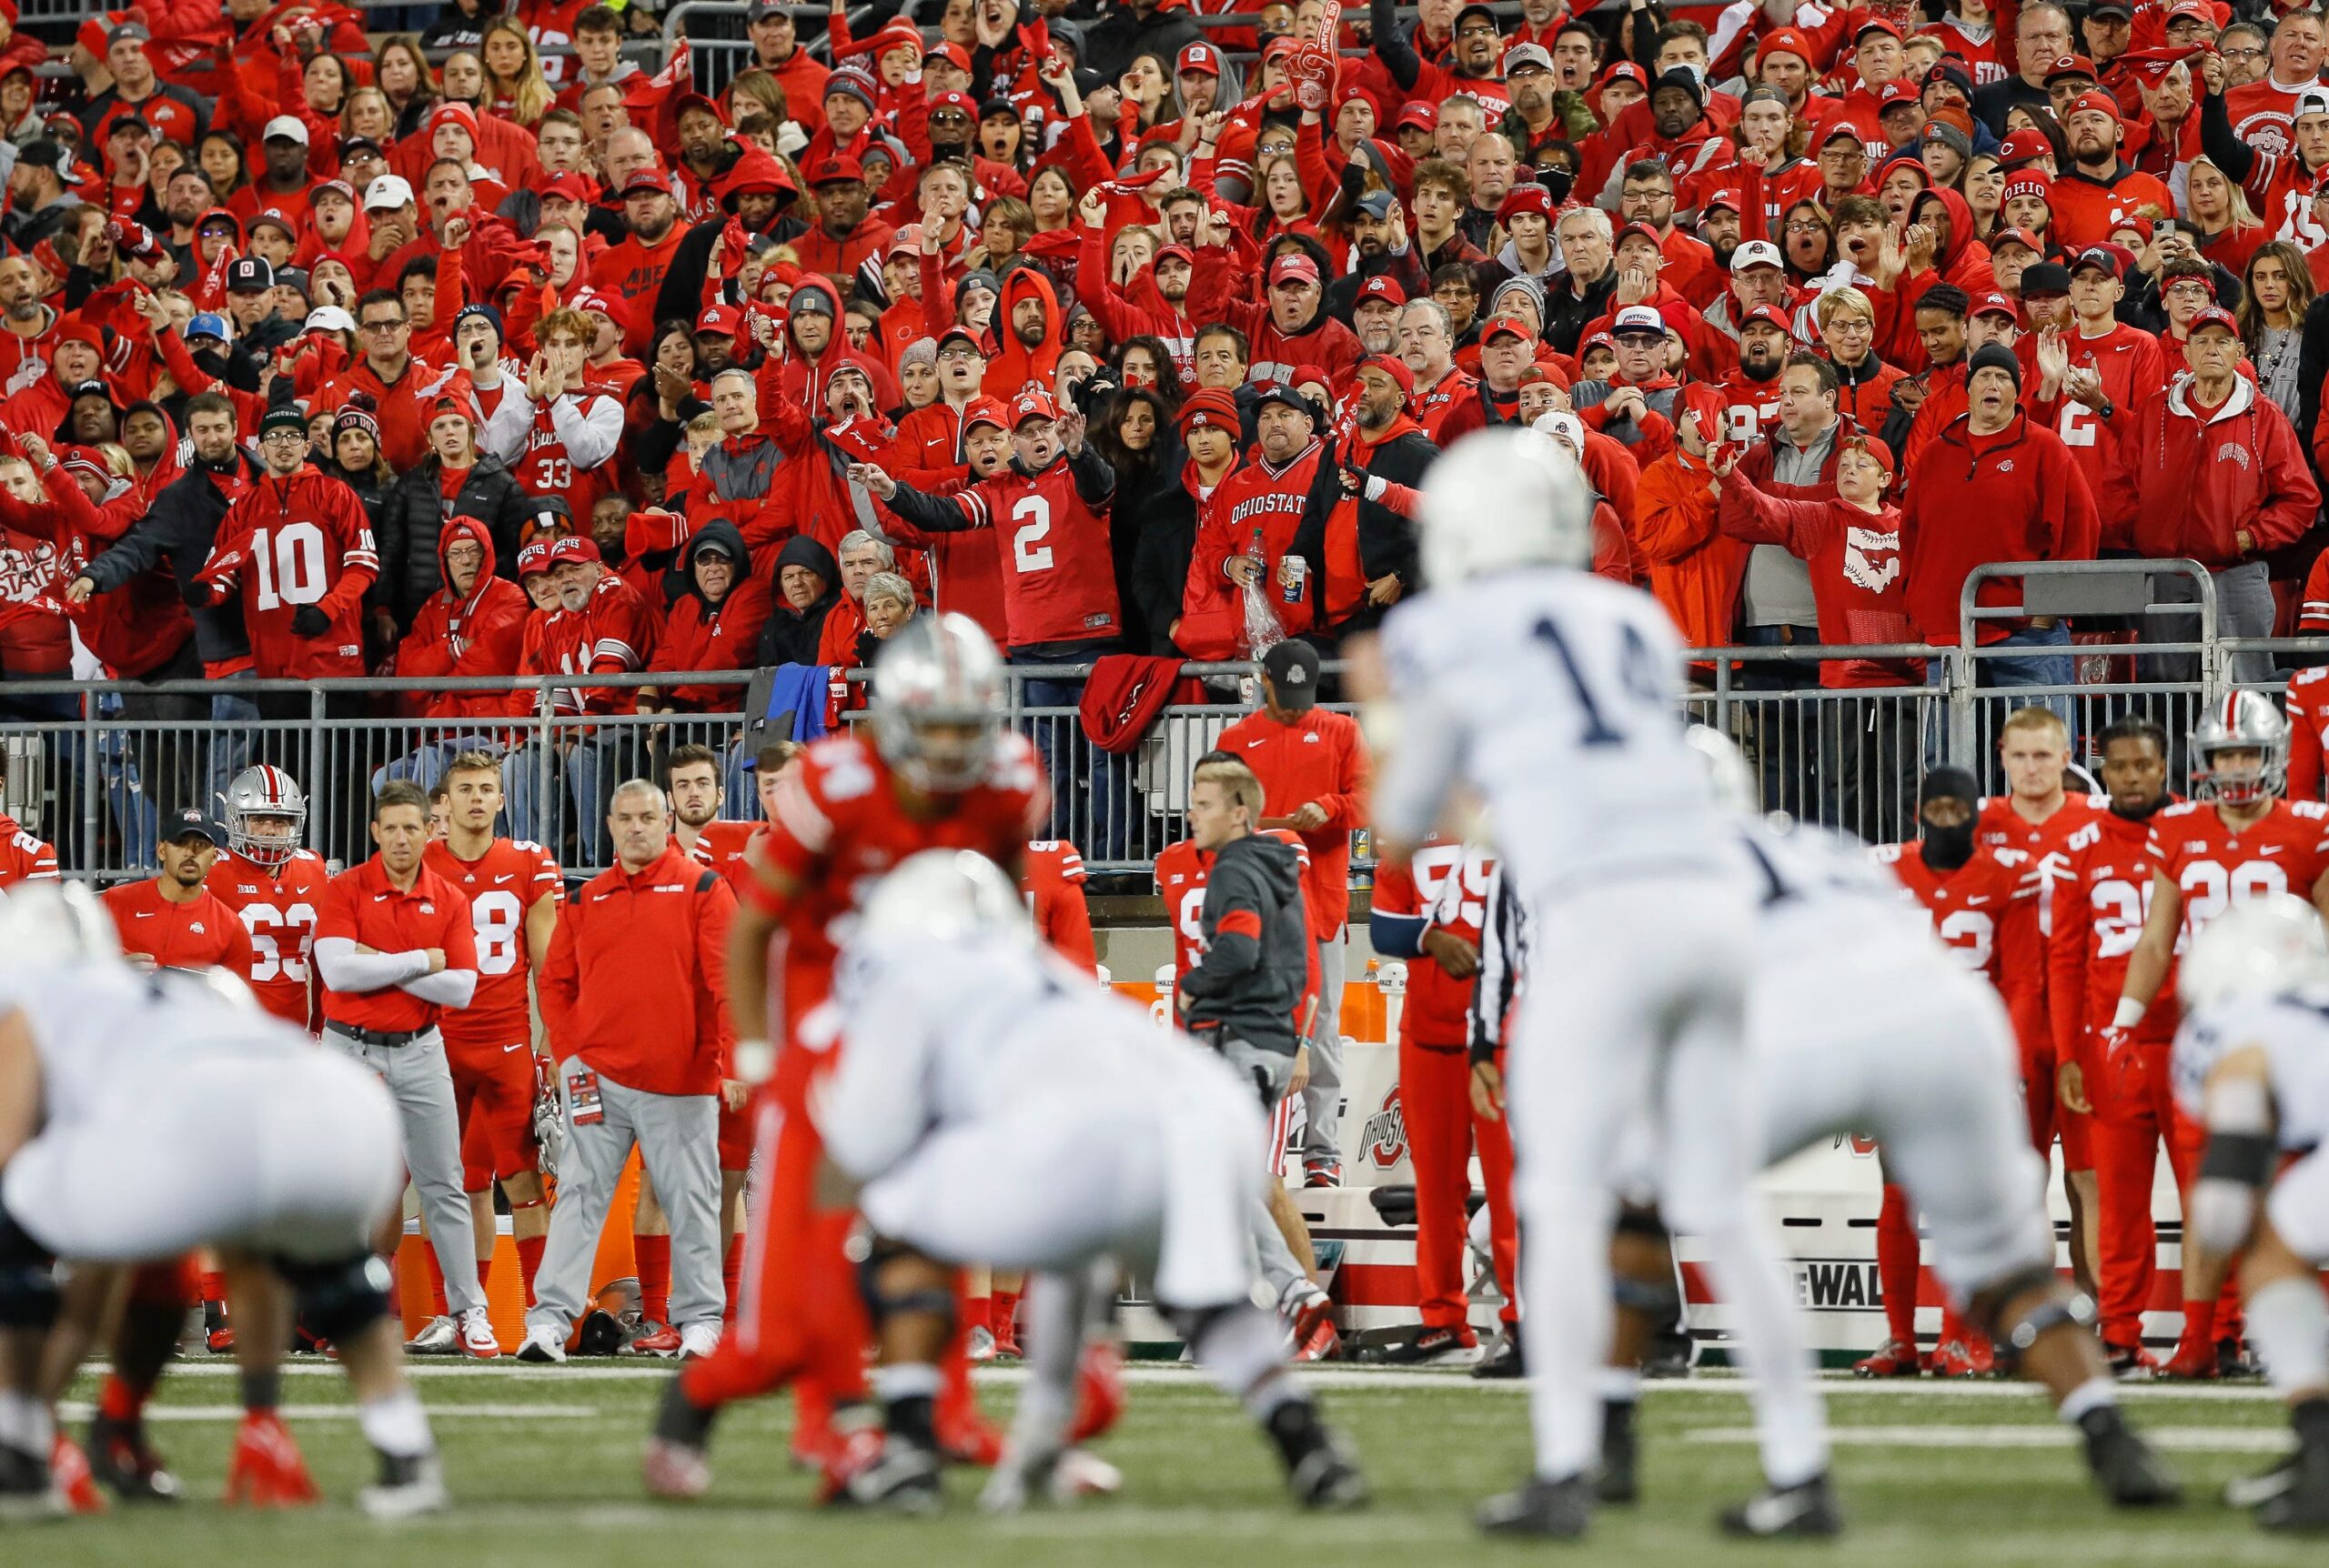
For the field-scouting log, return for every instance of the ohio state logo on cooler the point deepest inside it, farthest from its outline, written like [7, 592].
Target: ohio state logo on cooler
[1385, 1137]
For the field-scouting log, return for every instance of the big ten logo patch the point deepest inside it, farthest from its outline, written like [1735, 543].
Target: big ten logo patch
[1386, 1137]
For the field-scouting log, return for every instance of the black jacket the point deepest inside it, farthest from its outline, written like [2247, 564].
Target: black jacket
[1111, 43]
[790, 636]
[1567, 316]
[1386, 542]
[1257, 945]
[182, 526]
[412, 519]
[1150, 497]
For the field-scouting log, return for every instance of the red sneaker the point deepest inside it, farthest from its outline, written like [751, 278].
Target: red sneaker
[1893, 1358]
[850, 1453]
[663, 1342]
[69, 1467]
[221, 1341]
[1006, 1342]
[1099, 1390]
[267, 1470]
[2131, 1363]
[2193, 1361]
[966, 1437]
[1957, 1359]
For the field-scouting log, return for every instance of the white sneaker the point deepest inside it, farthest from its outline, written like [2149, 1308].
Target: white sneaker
[979, 1347]
[544, 1346]
[477, 1335]
[697, 1340]
[437, 1340]
[412, 1488]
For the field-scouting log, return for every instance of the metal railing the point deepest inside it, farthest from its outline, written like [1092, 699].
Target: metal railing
[96, 773]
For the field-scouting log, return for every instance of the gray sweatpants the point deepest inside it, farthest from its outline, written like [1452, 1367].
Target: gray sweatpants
[1322, 1100]
[678, 1138]
[422, 1086]
[2244, 607]
[1268, 1071]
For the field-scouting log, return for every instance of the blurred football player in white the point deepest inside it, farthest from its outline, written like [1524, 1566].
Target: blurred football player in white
[1860, 1020]
[2252, 1065]
[1557, 698]
[143, 1115]
[995, 1106]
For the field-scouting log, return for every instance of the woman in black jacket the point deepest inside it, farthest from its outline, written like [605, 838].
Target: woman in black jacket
[354, 461]
[1153, 523]
[418, 509]
[804, 597]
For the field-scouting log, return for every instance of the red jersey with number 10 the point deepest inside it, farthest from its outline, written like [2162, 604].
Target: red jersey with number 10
[1446, 885]
[278, 909]
[1967, 903]
[503, 885]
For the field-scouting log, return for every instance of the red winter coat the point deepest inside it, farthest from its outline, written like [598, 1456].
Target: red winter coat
[2016, 496]
[476, 635]
[2192, 478]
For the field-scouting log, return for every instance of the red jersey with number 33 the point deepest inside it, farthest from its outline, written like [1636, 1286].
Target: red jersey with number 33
[1446, 885]
[278, 909]
[2215, 867]
[1966, 904]
[502, 884]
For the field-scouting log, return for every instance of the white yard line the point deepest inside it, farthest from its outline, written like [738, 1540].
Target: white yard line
[2193, 1439]
[164, 1413]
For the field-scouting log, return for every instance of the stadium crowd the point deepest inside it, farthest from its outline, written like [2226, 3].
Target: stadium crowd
[490, 352]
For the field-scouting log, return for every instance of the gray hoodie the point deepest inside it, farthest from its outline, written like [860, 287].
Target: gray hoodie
[1257, 945]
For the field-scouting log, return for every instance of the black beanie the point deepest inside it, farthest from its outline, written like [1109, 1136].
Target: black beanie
[1949, 784]
[1994, 356]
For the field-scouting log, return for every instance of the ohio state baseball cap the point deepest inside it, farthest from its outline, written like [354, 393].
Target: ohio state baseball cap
[1753, 253]
[1381, 286]
[2213, 315]
[1995, 304]
[1769, 314]
[717, 318]
[1726, 200]
[2109, 258]
[535, 558]
[572, 547]
[192, 822]
[2021, 237]
[1032, 405]
[1296, 268]
[1876, 25]
[985, 411]
[834, 169]
[1508, 326]
[1198, 58]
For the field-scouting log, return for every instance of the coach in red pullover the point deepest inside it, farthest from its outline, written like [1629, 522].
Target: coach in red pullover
[1993, 486]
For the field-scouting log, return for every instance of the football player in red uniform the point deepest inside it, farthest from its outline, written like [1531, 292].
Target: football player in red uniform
[2101, 892]
[1428, 910]
[2038, 815]
[1052, 880]
[694, 772]
[1967, 887]
[2235, 841]
[273, 884]
[939, 771]
[172, 920]
[514, 889]
[2307, 703]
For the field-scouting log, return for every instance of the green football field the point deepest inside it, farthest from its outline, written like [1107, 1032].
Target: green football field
[543, 1464]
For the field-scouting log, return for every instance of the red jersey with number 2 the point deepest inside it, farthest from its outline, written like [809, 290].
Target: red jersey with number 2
[278, 909]
[503, 884]
[1446, 884]
[1966, 904]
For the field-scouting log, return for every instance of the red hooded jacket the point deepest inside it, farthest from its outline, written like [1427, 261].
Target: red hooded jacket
[477, 634]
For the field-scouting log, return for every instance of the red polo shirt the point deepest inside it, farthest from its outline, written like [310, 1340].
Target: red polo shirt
[362, 905]
[190, 936]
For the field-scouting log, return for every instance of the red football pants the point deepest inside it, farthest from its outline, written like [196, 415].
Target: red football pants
[1436, 1099]
[2135, 1113]
[2035, 1035]
[800, 1314]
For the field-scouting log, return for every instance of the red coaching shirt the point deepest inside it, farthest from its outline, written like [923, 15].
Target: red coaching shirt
[362, 905]
[1319, 757]
[190, 936]
[502, 886]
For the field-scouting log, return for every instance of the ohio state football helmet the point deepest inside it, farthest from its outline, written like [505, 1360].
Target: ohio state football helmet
[936, 707]
[2241, 721]
[267, 794]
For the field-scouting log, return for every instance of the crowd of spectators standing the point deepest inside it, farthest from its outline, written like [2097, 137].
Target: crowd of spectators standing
[490, 351]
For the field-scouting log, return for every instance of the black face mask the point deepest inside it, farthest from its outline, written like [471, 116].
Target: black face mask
[213, 361]
[1946, 848]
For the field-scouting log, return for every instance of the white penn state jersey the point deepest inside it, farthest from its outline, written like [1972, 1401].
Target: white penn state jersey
[104, 1032]
[1822, 896]
[1557, 697]
[936, 1034]
[2293, 1028]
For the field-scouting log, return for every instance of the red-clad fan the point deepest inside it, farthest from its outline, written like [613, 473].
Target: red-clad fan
[1048, 512]
[1051, 877]
[300, 545]
[1751, 391]
[2235, 841]
[172, 920]
[2126, 358]
[1291, 328]
[1966, 889]
[25, 855]
[633, 269]
[556, 431]
[2100, 191]
[939, 771]
[397, 381]
[1430, 910]
[2102, 893]
[275, 886]
[1247, 528]
[514, 889]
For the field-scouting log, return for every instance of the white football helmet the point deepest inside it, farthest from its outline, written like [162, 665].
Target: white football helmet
[1503, 498]
[2267, 943]
[268, 794]
[946, 894]
[936, 707]
[48, 924]
[2241, 721]
[1729, 781]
